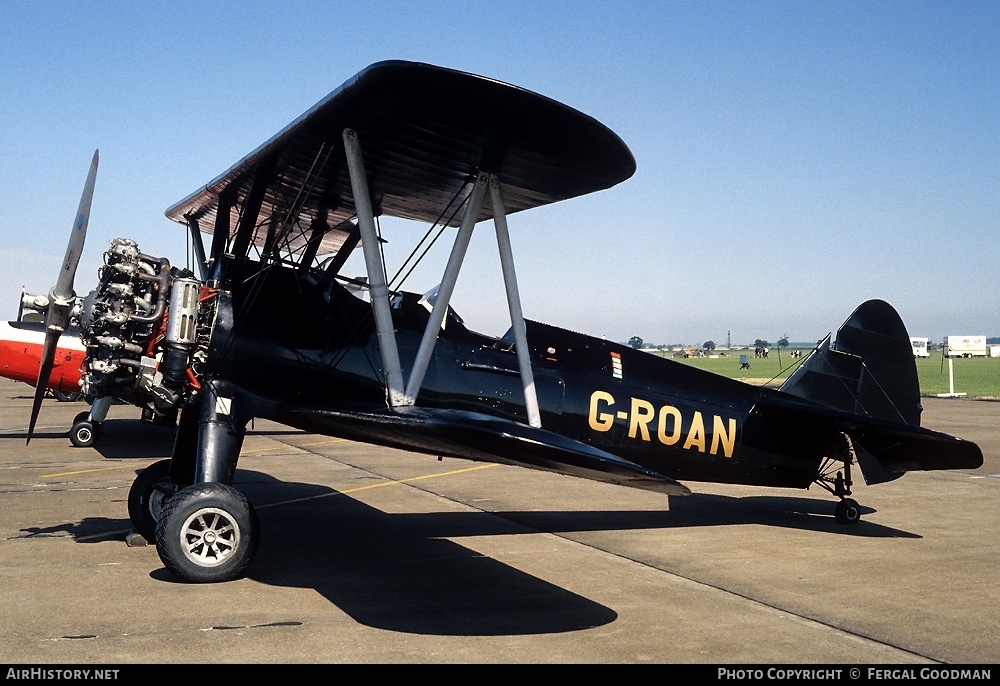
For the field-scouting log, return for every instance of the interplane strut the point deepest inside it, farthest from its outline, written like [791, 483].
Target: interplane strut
[398, 395]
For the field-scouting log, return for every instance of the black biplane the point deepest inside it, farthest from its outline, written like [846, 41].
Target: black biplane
[360, 359]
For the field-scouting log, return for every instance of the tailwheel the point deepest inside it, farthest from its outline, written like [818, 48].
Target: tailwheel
[848, 511]
[207, 533]
[149, 494]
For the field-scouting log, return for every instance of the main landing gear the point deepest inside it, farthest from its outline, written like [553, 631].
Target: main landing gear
[205, 529]
[149, 494]
[847, 510]
[207, 533]
[203, 533]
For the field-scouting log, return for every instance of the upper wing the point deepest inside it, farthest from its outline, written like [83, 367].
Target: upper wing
[475, 436]
[425, 131]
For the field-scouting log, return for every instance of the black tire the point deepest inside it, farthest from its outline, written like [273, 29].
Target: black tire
[848, 511]
[67, 396]
[148, 496]
[83, 434]
[207, 533]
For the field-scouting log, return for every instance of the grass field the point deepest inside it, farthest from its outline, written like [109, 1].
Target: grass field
[977, 377]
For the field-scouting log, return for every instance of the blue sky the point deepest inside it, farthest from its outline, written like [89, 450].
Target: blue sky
[794, 158]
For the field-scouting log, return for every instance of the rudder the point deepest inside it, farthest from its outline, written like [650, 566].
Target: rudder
[869, 370]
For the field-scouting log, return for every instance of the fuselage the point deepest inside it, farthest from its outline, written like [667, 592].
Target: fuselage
[319, 349]
[21, 345]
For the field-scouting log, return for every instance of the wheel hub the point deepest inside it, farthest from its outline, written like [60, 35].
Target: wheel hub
[209, 537]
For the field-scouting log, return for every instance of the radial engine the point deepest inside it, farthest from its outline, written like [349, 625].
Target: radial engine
[146, 328]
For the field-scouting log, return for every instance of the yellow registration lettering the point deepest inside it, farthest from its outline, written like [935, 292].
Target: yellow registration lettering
[724, 435]
[669, 412]
[670, 424]
[601, 421]
[696, 437]
[642, 414]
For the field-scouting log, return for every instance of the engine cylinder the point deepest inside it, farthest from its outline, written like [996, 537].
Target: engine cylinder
[182, 324]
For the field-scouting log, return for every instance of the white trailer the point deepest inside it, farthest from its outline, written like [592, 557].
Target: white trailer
[919, 346]
[965, 346]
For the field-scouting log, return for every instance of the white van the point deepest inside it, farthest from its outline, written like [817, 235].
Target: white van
[919, 347]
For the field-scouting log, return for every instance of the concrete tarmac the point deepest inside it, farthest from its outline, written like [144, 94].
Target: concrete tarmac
[377, 556]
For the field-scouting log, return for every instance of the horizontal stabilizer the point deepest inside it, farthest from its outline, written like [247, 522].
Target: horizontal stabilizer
[907, 449]
[885, 450]
[474, 436]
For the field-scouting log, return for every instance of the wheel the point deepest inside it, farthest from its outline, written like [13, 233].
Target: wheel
[848, 511]
[207, 533]
[83, 434]
[82, 417]
[149, 494]
[67, 396]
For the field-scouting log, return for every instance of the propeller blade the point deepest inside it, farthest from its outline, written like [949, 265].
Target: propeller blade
[64, 285]
[62, 296]
[44, 371]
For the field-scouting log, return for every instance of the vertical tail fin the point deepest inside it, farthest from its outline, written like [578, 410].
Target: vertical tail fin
[869, 370]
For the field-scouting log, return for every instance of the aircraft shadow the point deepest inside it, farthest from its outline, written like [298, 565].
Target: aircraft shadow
[88, 530]
[401, 572]
[23, 433]
[703, 509]
[132, 439]
[121, 438]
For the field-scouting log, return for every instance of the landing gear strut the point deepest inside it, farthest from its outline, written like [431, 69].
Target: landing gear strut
[847, 511]
[207, 531]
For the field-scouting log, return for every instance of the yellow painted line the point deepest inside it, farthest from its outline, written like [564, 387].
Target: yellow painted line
[88, 471]
[109, 469]
[333, 440]
[421, 478]
[324, 495]
[255, 451]
[290, 445]
[383, 485]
